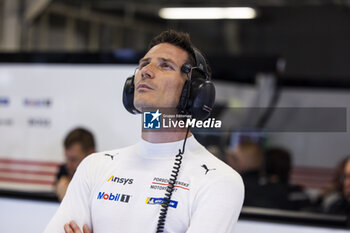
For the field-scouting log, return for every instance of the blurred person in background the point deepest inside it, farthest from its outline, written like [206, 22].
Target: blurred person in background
[278, 168]
[77, 145]
[337, 201]
[248, 160]
[266, 177]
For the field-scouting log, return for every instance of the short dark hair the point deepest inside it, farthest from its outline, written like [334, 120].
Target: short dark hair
[178, 39]
[82, 136]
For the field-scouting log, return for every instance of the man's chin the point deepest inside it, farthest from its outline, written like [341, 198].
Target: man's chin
[142, 103]
[142, 108]
[145, 106]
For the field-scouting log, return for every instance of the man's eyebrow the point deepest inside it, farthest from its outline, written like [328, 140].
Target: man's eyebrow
[144, 59]
[147, 59]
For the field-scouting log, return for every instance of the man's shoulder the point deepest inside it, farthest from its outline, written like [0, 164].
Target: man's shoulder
[206, 157]
[109, 155]
[211, 176]
[209, 168]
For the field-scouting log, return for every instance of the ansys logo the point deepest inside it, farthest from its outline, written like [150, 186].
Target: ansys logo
[151, 120]
[123, 181]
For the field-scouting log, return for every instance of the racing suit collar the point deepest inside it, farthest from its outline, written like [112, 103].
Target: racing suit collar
[166, 150]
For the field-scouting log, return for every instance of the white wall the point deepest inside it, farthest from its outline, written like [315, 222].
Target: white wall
[79, 95]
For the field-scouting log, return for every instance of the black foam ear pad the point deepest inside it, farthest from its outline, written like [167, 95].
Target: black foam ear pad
[128, 95]
[202, 98]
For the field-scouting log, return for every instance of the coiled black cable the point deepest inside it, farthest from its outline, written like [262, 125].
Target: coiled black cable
[170, 188]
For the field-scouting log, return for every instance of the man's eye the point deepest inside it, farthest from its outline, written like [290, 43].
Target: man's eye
[143, 64]
[165, 65]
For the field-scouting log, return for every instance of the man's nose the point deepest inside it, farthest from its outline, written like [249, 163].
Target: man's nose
[147, 71]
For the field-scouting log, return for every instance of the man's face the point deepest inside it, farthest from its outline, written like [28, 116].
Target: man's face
[74, 155]
[346, 184]
[159, 80]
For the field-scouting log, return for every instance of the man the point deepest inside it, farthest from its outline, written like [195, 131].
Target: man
[123, 190]
[77, 145]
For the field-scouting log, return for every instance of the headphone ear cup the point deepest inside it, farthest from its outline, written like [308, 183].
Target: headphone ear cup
[202, 98]
[128, 95]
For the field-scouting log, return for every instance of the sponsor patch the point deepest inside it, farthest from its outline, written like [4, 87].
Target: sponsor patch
[162, 184]
[160, 201]
[120, 180]
[117, 197]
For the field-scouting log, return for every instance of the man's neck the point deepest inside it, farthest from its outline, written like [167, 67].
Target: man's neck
[163, 137]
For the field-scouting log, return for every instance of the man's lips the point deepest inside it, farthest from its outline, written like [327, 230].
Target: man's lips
[143, 86]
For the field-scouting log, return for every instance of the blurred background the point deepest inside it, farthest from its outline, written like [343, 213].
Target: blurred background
[311, 35]
[282, 79]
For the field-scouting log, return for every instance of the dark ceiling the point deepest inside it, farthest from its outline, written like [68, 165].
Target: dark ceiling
[311, 35]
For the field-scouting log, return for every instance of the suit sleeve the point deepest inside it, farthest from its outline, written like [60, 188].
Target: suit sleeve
[75, 204]
[217, 206]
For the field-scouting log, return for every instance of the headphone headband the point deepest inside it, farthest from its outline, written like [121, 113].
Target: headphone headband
[201, 64]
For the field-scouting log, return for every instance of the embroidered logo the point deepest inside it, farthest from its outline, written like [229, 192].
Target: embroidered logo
[112, 156]
[121, 180]
[207, 169]
[160, 201]
[113, 197]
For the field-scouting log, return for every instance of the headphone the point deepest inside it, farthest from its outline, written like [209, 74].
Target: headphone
[198, 93]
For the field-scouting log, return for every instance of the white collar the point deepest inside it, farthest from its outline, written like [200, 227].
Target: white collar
[166, 150]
